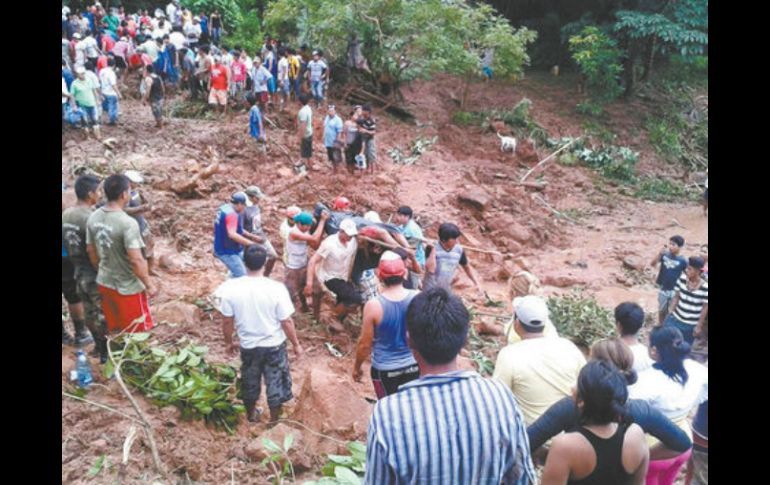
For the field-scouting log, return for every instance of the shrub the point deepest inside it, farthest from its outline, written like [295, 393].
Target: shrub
[598, 59]
[581, 319]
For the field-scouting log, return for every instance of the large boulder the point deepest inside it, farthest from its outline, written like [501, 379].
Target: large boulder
[523, 283]
[328, 404]
[475, 197]
[176, 312]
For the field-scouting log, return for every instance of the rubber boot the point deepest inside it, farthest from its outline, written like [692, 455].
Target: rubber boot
[66, 338]
[82, 335]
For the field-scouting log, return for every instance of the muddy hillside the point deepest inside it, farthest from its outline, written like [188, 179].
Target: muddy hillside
[564, 226]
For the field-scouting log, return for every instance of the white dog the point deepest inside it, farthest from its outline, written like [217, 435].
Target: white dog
[507, 143]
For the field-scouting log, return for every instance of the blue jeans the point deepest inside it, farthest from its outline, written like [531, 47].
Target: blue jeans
[234, 263]
[686, 329]
[110, 105]
[318, 90]
[216, 34]
[297, 87]
[89, 116]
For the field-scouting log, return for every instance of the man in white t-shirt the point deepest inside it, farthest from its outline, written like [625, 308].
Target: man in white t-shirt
[318, 73]
[305, 131]
[109, 83]
[260, 310]
[284, 85]
[330, 268]
[538, 370]
[629, 319]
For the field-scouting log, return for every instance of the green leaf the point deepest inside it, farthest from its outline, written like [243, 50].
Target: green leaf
[346, 476]
[341, 460]
[199, 349]
[328, 469]
[96, 467]
[271, 446]
[140, 337]
[193, 361]
[158, 352]
[109, 369]
[288, 440]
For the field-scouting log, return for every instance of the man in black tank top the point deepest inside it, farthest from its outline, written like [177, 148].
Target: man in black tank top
[154, 93]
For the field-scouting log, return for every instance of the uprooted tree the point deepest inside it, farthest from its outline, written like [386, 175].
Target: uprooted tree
[404, 40]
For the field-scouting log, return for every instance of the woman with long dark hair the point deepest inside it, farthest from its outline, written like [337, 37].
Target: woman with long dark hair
[675, 385]
[605, 449]
[565, 415]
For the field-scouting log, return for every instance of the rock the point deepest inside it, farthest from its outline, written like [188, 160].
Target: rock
[177, 312]
[505, 271]
[633, 262]
[71, 144]
[522, 263]
[172, 262]
[327, 404]
[561, 281]
[299, 454]
[698, 177]
[518, 233]
[476, 197]
[99, 446]
[523, 283]
[285, 172]
[385, 179]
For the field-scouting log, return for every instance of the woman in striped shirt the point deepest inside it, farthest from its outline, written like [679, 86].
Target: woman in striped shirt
[691, 301]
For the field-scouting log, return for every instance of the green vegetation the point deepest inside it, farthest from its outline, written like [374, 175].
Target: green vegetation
[518, 118]
[590, 108]
[660, 190]
[179, 377]
[404, 40]
[598, 59]
[581, 319]
[344, 469]
[278, 460]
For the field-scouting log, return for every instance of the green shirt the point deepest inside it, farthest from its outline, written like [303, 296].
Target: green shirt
[112, 22]
[73, 233]
[113, 233]
[83, 92]
[305, 115]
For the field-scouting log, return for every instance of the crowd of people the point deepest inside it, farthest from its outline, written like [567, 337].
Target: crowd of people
[622, 415]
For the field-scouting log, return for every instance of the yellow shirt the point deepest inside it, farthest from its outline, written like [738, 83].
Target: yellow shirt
[539, 372]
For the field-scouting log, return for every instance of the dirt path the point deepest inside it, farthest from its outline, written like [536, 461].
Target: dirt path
[564, 255]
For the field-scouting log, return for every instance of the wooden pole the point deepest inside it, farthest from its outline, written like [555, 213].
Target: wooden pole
[546, 159]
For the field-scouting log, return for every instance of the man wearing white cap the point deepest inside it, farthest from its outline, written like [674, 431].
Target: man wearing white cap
[252, 223]
[85, 96]
[137, 207]
[331, 266]
[539, 370]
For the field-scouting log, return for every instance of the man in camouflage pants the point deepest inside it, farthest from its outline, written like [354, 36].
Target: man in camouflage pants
[74, 238]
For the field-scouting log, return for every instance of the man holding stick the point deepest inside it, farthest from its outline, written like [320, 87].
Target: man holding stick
[443, 258]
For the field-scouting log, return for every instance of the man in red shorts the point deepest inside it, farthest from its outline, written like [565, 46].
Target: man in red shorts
[114, 245]
[219, 83]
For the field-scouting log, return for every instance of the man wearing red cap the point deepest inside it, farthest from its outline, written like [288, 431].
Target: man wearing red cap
[383, 334]
[341, 203]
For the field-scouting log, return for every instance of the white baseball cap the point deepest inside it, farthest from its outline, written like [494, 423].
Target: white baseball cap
[531, 310]
[372, 216]
[134, 176]
[348, 227]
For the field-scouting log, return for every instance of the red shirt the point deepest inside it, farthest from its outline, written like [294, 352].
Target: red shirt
[239, 71]
[218, 77]
[107, 43]
[101, 63]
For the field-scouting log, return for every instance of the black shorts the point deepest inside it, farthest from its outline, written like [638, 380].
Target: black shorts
[272, 363]
[350, 154]
[346, 292]
[306, 147]
[386, 382]
[68, 284]
[334, 154]
[120, 63]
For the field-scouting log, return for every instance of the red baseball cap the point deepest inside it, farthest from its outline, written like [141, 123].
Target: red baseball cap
[391, 264]
[341, 203]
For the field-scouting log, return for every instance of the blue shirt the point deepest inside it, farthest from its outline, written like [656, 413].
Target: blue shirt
[204, 24]
[332, 130]
[68, 77]
[255, 118]
[453, 428]
[412, 230]
[670, 269]
[389, 348]
[222, 242]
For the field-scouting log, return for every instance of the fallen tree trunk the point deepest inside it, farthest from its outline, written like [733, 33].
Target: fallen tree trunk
[361, 96]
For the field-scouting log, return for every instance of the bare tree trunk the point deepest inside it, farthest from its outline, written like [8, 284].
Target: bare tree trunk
[466, 90]
[651, 57]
